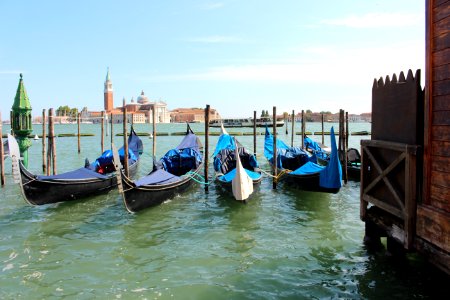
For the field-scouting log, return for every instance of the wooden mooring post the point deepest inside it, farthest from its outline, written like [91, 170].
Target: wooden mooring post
[44, 138]
[207, 109]
[2, 165]
[125, 139]
[293, 128]
[342, 145]
[275, 156]
[286, 124]
[78, 135]
[112, 133]
[154, 135]
[303, 129]
[346, 131]
[51, 151]
[102, 140]
[323, 137]
[254, 132]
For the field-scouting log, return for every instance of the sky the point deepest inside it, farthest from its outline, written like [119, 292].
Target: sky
[238, 56]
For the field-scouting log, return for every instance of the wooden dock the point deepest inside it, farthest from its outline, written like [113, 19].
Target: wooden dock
[405, 174]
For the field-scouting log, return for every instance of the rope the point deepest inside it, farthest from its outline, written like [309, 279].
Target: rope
[193, 176]
[279, 175]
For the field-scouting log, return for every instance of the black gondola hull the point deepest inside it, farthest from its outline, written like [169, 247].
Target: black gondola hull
[308, 183]
[40, 192]
[145, 196]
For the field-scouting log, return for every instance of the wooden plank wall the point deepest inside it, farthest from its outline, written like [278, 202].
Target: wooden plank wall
[433, 220]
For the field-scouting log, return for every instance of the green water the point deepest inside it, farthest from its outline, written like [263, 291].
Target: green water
[283, 244]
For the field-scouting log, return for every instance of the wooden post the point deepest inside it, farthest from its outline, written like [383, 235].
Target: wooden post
[78, 125]
[132, 119]
[53, 143]
[275, 156]
[112, 127]
[102, 140]
[44, 138]
[154, 134]
[2, 165]
[340, 134]
[254, 132]
[342, 150]
[49, 145]
[286, 124]
[106, 124]
[125, 139]
[303, 129]
[206, 145]
[346, 130]
[293, 128]
[323, 138]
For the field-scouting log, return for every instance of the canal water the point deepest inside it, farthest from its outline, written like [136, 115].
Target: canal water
[283, 244]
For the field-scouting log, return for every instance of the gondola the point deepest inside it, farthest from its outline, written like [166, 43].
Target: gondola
[236, 168]
[96, 178]
[323, 156]
[353, 164]
[170, 176]
[300, 168]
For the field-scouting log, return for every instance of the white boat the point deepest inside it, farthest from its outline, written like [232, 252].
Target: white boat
[246, 122]
[36, 137]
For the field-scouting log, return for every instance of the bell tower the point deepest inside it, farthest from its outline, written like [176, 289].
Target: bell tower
[108, 94]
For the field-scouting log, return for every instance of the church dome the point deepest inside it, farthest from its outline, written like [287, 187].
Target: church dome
[142, 99]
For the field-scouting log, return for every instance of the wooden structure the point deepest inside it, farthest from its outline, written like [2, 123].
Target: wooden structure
[405, 178]
[433, 214]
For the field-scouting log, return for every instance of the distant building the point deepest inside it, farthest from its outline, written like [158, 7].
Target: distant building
[192, 115]
[137, 112]
[108, 94]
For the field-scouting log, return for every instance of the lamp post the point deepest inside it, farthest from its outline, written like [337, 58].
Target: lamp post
[21, 120]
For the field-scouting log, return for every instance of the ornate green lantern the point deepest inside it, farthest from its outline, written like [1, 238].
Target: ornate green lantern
[21, 123]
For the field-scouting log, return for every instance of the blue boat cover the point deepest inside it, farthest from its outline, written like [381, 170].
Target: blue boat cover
[175, 163]
[81, 173]
[230, 175]
[189, 141]
[224, 155]
[157, 177]
[104, 163]
[315, 147]
[184, 157]
[225, 142]
[289, 158]
[330, 175]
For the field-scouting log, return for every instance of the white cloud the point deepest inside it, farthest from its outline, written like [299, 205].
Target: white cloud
[213, 5]
[214, 39]
[320, 64]
[377, 20]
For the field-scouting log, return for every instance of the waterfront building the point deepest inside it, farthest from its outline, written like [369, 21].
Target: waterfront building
[108, 94]
[192, 115]
[139, 111]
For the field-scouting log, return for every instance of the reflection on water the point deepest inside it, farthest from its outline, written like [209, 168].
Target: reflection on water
[283, 243]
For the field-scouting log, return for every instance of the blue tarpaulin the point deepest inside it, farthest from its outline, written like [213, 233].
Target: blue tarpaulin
[330, 175]
[230, 175]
